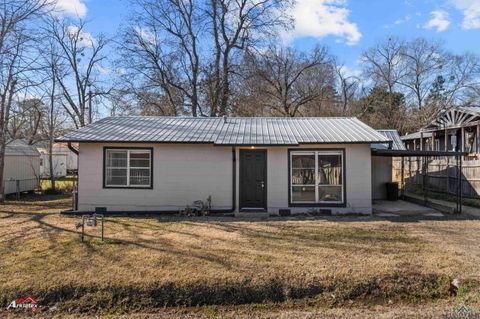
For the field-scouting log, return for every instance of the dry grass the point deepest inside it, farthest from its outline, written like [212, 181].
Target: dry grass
[341, 262]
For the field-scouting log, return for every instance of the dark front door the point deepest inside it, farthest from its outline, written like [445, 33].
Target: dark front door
[253, 179]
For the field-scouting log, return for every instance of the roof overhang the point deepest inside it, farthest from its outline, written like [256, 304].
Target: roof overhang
[412, 153]
[220, 144]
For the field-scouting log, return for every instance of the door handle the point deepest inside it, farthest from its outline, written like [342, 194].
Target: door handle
[263, 184]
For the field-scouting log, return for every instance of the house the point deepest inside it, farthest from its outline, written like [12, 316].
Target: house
[454, 129]
[382, 166]
[22, 167]
[136, 163]
[64, 160]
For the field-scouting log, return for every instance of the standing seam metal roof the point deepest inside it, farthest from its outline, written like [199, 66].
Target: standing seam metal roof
[232, 131]
[393, 135]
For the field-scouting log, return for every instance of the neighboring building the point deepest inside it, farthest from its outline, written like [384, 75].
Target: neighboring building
[247, 164]
[64, 161]
[382, 167]
[22, 167]
[454, 129]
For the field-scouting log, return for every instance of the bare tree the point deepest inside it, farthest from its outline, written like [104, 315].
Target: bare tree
[53, 116]
[15, 42]
[462, 78]
[236, 25]
[25, 119]
[383, 63]
[80, 55]
[348, 86]
[423, 61]
[288, 80]
[161, 52]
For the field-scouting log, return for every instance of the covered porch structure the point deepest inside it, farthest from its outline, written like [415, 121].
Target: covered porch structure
[423, 158]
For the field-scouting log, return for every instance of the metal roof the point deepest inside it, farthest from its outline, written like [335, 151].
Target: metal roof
[227, 131]
[392, 135]
[415, 136]
[20, 148]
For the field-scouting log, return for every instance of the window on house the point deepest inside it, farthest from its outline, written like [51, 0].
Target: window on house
[128, 168]
[316, 177]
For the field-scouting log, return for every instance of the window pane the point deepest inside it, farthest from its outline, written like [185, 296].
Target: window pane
[140, 159]
[303, 161]
[329, 169]
[116, 177]
[330, 193]
[116, 158]
[302, 176]
[140, 177]
[303, 193]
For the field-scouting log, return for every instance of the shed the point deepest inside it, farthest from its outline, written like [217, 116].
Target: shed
[22, 167]
[60, 161]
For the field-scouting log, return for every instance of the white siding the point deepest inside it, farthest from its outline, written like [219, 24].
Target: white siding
[26, 169]
[181, 175]
[184, 173]
[59, 165]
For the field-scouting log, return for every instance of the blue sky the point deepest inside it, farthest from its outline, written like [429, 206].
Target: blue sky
[347, 27]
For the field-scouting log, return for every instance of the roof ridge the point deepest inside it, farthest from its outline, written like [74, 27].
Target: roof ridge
[229, 117]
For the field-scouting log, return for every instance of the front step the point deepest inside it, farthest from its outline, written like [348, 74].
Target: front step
[252, 214]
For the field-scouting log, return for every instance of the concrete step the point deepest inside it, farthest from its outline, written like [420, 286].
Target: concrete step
[252, 214]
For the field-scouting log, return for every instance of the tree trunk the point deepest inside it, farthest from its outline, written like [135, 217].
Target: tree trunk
[50, 164]
[2, 167]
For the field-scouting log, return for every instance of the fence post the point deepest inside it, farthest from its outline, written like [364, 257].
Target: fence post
[447, 179]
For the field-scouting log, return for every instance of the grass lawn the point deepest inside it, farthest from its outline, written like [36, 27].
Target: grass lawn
[227, 267]
[63, 183]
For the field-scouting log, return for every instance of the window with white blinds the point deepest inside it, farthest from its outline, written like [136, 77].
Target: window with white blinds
[128, 168]
[316, 177]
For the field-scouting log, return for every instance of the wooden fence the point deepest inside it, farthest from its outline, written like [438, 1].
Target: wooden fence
[439, 174]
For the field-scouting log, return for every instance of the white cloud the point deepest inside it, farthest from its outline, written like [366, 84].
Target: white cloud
[320, 18]
[86, 39]
[146, 35]
[74, 8]
[440, 21]
[403, 20]
[471, 12]
[103, 70]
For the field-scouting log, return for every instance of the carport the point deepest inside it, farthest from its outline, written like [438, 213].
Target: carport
[425, 156]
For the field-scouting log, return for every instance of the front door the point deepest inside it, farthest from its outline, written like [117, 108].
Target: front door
[253, 179]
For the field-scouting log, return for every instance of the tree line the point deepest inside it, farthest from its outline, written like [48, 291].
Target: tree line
[209, 58]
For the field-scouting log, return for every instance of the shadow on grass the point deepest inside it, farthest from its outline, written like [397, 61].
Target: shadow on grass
[412, 287]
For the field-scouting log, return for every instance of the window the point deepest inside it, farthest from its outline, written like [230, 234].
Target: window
[128, 168]
[316, 177]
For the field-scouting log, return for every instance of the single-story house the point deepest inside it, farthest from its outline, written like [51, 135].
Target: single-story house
[22, 167]
[382, 166]
[136, 163]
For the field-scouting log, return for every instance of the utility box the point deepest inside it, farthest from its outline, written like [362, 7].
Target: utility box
[392, 191]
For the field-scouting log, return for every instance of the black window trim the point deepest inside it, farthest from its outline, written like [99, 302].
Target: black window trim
[323, 204]
[105, 148]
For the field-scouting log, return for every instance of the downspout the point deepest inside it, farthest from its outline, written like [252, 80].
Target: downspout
[74, 150]
[234, 179]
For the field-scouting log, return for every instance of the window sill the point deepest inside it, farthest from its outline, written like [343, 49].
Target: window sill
[127, 187]
[317, 205]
